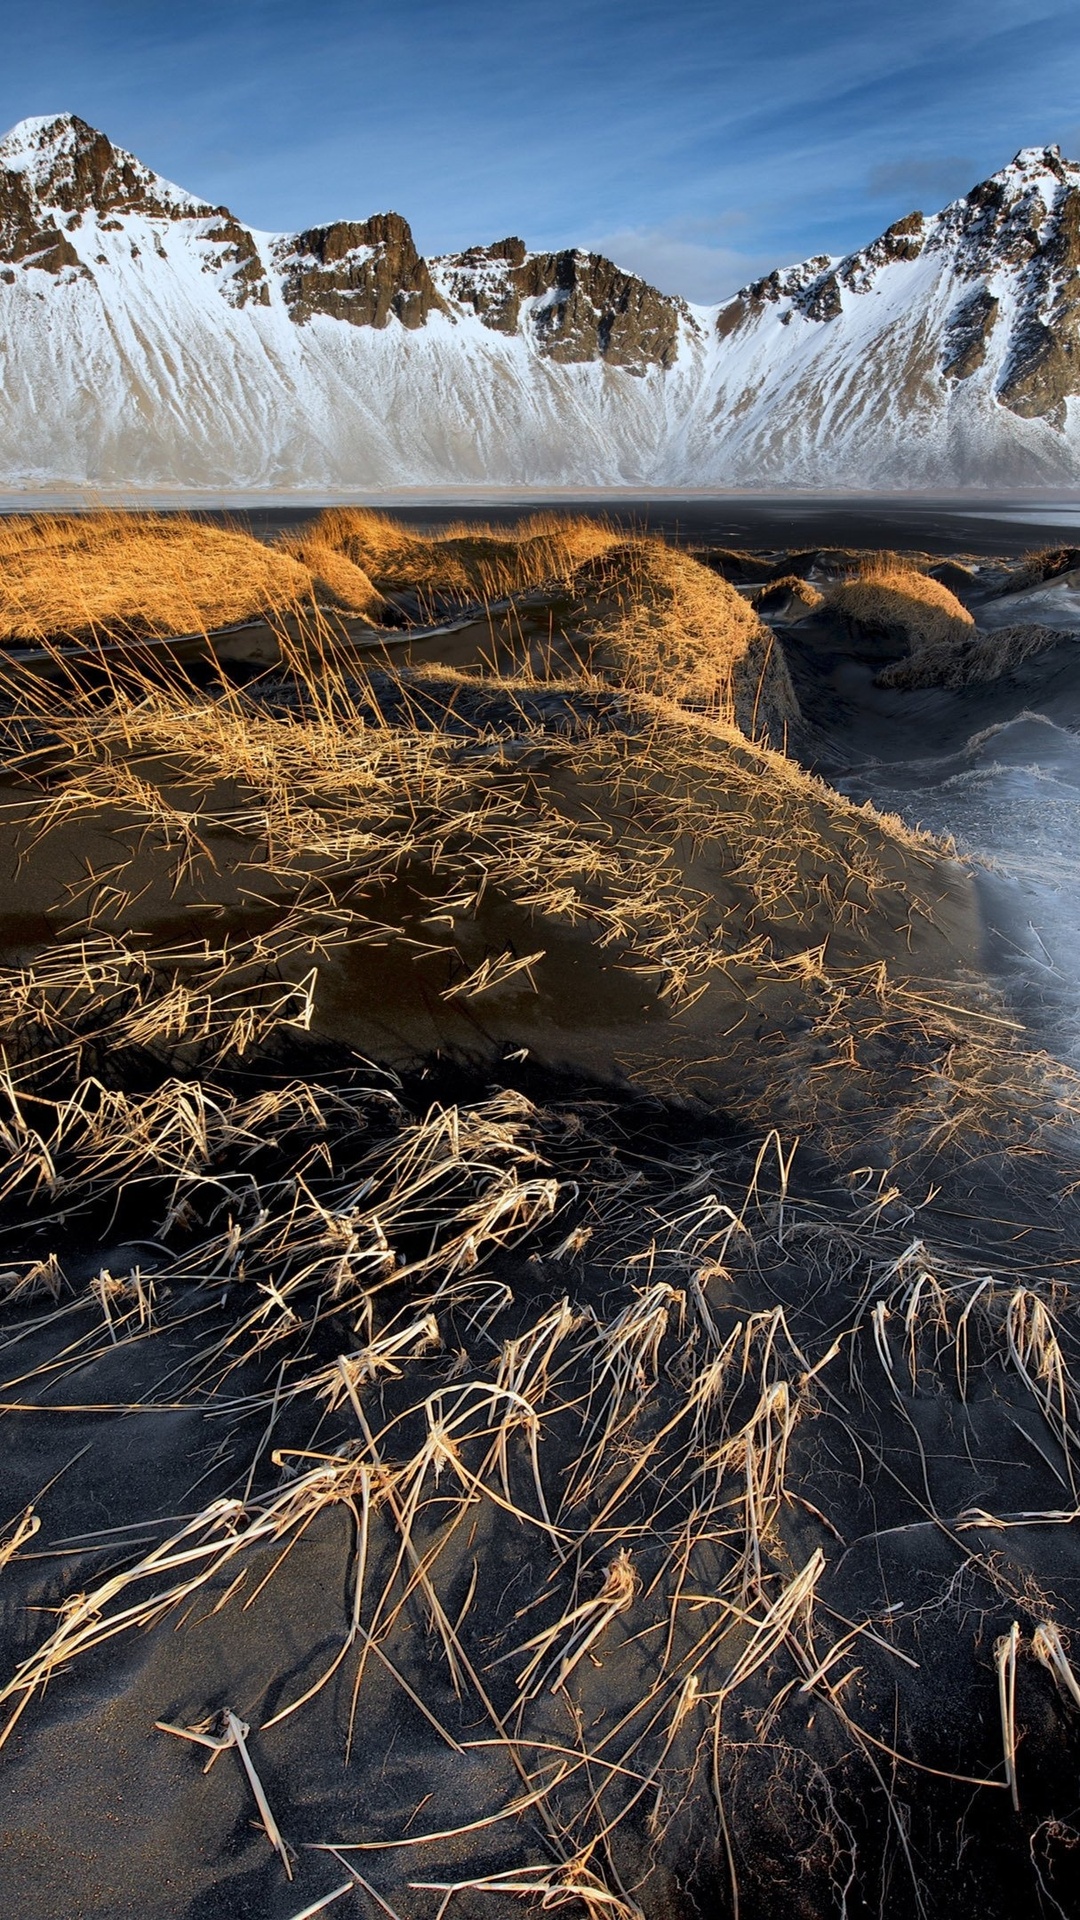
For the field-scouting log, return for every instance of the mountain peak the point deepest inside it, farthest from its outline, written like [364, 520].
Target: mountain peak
[31, 140]
[67, 164]
[1040, 160]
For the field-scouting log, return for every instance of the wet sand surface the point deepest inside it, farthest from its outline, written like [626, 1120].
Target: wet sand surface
[775, 521]
[950, 523]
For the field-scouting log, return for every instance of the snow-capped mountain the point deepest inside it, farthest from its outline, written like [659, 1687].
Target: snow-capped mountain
[152, 341]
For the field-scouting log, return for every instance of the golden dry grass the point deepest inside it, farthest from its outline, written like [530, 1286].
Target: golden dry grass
[640, 613]
[796, 596]
[73, 575]
[542, 1476]
[888, 595]
[330, 790]
[464, 562]
[338, 582]
[659, 622]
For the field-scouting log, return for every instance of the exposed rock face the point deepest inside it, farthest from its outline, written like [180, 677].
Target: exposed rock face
[967, 333]
[1043, 368]
[363, 271]
[488, 280]
[232, 251]
[28, 235]
[580, 306]
[821, 301]
[902, 241]
[789, 283]
[797, 285]
[588, 309]
[1041, 372]
[1028, 219]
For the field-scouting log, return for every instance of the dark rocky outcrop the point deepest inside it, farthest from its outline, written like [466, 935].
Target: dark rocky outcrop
[488, 279]
[902, 241]
[365, 271]
[586, 308]
[1006, 226]
[589, 309]
[967, 333]
[822, 300]
[27, 236]
[1042, 371]
[783, 284]
[236, 249]
[772, 289]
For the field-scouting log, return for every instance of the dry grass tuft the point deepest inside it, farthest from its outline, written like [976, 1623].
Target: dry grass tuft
[659, 622]
[464, 563]
[1046, 563]
[339, 583]
[73, 576]
[789, 597]
[973, 661]
[638, 613]
[890, 596]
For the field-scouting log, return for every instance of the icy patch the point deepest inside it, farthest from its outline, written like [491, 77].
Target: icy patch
[1010, 798]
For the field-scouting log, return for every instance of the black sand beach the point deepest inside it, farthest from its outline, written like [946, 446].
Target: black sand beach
[539, 1244]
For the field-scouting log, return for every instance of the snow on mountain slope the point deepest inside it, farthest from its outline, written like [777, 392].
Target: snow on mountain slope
[947, 351]
[150, 340]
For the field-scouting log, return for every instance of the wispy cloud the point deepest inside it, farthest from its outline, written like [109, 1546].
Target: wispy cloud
[700, 142]
[672, 259]
[931, 177]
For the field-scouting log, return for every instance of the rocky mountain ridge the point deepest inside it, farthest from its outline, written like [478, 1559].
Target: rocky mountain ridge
[55, 173]
[1024, 222]
[153, 339]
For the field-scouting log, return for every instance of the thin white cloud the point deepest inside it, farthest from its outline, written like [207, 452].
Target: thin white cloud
[671, 259]
[933, 177]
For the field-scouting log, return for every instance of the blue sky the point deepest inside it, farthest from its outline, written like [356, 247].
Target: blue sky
[698, 141]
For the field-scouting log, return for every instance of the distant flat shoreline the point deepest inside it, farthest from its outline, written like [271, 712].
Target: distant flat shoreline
[977, 522]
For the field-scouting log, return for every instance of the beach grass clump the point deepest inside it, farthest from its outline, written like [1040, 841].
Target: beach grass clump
[465, 563]
[978, 659]
[889, 597]
[1041, 566]
[659, 622]
[339, 584]
[73, 576]
[385, 858]
[788, 598]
